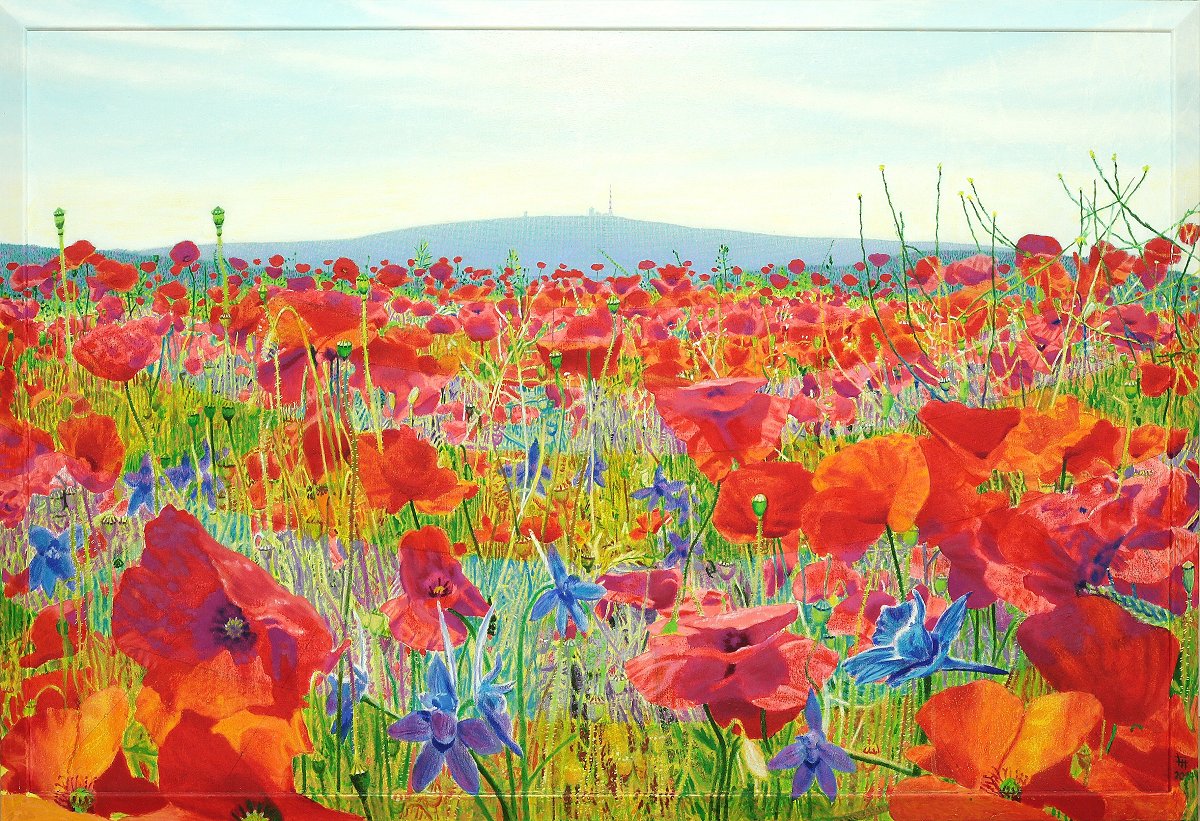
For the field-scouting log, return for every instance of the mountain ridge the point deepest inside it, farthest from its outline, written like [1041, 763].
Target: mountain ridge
[577, 240]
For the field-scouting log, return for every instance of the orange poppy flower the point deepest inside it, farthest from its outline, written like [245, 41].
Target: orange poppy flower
[96, 454]
[73, 758]
[406, 470]
[1007, 759]
[863, 489]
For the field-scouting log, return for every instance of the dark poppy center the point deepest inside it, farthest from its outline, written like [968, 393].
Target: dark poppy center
[1010, 789]
[440, 587]
[257, 811]
[76, 794]
[1005, 785]
[734, 640]
[231, 628]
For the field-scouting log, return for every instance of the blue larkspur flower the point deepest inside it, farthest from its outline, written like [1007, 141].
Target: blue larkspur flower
[566, 596]
[341, 709]
[54, 560]
[490, 701]
[679, 550]
[530, 474]
[592, 473]
[904, 650]
[446, 740]
[813, 756]
[672, 495]
[141, 483]
[185, 474]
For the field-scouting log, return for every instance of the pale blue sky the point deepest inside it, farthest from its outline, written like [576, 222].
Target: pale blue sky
[320, 134]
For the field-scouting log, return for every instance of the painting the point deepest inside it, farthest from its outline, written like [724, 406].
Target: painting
[507, 412]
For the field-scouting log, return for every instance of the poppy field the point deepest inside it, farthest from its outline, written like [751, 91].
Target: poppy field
[910, 538]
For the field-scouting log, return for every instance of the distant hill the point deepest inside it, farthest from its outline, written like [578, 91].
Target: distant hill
[576, 240]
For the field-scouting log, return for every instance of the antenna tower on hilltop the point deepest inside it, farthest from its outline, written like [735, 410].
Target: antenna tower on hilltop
[610, 213]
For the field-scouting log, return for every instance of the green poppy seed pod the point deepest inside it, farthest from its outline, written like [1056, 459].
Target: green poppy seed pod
[614, 304]
[227, 413]
[60, 219]
[819, 615]
[193, 419]
[343, 348]
[556, 359]
[210, 411]
[363, 284]
[1132, 389]
[218, 215]
[759, 505]
[1189, 578]
[940, 584]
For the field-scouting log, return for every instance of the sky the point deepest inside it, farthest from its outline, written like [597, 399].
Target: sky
[319, 134]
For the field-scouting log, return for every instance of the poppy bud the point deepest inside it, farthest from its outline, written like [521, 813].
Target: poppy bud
[556, 359]
[759, 505]
[1189, 578]
[614, 304]
[218, 215]
[343, 348]
[60, 219]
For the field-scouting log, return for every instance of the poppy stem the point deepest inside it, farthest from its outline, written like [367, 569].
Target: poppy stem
[883, 762]
[896, 562]
[134, 413]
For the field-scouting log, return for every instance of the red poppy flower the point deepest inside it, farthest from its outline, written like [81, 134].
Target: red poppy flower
[431, 578]
[171, 298]
[585, 343]
[398, 367]
[28, 463]
[1007, 759]
[724, 420]
[1094, 646]
[80, 253]
[119, 352]
[1161, 252]
[203, 619]
[237, 768]
[183, 254]
[862, 490]
[1140, 772]
[742, 665]
[405, 469]
[650, 589]
[784, 487]
[974, 435]
[116, 276]
[94, 450]
[59, 628]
